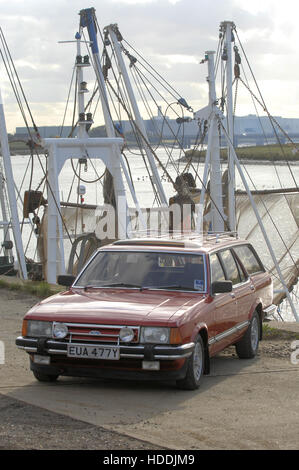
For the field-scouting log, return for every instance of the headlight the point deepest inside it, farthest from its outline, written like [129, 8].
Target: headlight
[60, 330]
[155, 335]
[126, 335]
[39, 328]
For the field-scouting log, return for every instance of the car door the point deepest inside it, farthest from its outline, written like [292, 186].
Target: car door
[240, 295]
[224, 308]
[245, 291]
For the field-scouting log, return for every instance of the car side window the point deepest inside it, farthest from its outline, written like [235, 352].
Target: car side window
[248, 259]
[230, 266]
[217, 273]
[242, 273]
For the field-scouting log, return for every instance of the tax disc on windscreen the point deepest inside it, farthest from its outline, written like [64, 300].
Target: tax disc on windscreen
[81, 189]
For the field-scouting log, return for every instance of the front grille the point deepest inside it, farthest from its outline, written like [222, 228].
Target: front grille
[100, 333]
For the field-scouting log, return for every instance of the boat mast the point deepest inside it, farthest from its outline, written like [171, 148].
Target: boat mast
[107, 149]
[87, 19]
[15, 223]
[59, 151]
[226, 28]
[82, 133]
[213, 150]
[217, 120]
[139, 121]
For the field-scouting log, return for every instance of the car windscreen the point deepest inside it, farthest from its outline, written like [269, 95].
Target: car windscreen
[139, 269]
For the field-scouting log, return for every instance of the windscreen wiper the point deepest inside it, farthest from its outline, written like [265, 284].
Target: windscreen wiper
[121, 284]
[90, 286]
[175, 286]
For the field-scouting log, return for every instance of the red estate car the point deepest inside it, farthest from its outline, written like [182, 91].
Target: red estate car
[151, 309]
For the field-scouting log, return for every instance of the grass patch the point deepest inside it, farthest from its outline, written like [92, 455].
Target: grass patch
[274, 333]
[261, 153]
[38, 289]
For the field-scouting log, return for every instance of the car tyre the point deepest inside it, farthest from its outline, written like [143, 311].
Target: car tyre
[44, 377]
[195, 368]
[247, 347]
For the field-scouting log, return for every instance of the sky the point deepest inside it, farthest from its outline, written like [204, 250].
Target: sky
[173, 36]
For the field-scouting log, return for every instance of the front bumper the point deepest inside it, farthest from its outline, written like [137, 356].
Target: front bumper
[147, 352]
[81, 370]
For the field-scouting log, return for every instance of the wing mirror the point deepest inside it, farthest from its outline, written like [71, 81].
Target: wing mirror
[66, 280]
[220, 287]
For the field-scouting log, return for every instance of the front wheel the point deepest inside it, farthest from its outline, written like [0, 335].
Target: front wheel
[195, 367]
[247, 347]
[44, 377]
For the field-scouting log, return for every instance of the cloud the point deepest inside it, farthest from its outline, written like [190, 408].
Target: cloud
[172, 35]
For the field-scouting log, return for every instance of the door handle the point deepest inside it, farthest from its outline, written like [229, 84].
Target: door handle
[252, 287]
[233, 296]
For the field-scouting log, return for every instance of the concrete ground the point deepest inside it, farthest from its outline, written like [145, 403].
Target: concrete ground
[242, 404]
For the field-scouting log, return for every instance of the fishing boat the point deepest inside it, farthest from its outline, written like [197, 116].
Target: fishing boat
[68, 231]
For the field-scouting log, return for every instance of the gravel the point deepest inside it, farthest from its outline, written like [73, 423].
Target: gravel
[27, 427]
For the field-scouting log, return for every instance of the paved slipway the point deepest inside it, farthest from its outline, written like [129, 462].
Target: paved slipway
[242, 404]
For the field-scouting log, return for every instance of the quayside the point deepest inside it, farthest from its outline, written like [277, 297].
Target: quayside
[111, 78]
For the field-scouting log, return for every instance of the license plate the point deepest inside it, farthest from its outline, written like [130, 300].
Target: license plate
[93, 352]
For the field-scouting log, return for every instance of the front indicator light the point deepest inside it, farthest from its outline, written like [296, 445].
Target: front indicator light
[175, 336]
[24, 328]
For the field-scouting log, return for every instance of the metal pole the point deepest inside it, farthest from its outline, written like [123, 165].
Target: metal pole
[133, 194]
[139, 121]
[217, 214]
[87, 20]
[15, 223]
[6, 223]
[82, 126]
[227, 27]
[55, 260]
[205, 176]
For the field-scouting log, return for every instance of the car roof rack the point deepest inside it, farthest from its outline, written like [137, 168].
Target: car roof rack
[175, 238]
[217, 235]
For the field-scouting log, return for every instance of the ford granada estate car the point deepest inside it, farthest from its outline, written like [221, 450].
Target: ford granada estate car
[151, 309]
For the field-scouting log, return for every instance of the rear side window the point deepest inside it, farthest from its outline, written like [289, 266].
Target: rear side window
[230, 266]
[249, 260]
[217, 273]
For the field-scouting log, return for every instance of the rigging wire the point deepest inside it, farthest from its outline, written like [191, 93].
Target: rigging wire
[265, 108]
[203, 185]
[254, 100]
[249, 177]
[170, 105]
[20, 98]
[140, 136]
[170, 178]
[174, 93]
[263, 203]
[10, 61]
[67, 101]
[267, 211]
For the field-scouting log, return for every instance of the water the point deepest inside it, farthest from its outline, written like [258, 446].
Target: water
[259, 176]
